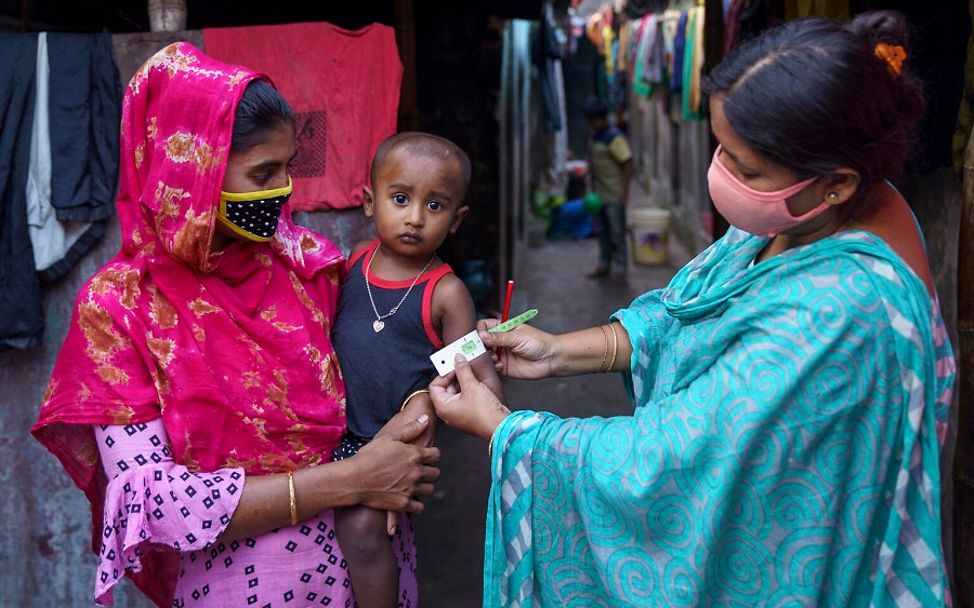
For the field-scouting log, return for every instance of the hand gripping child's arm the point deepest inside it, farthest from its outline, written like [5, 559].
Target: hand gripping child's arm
[455, 317]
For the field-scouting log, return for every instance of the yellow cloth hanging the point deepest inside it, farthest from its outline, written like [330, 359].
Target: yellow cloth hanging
[608, 37]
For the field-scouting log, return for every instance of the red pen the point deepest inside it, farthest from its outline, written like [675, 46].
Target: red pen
[506, 311]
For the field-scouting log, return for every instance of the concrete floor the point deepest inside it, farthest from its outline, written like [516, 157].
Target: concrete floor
[451, 532]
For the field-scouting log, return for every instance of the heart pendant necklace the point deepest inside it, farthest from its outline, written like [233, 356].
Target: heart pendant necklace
[379, 324]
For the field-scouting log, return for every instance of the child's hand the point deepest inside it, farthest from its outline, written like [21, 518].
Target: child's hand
[526, 352]
[392, 522]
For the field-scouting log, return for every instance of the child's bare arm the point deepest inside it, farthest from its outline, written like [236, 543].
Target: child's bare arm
[454, 307]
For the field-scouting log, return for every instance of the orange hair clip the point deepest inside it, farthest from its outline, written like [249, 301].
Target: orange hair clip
[894, 55]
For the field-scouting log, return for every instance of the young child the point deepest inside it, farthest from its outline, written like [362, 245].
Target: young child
[399, 304]
[612, 168]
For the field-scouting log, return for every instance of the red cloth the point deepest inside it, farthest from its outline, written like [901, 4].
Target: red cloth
[232, 349]
[344, 89]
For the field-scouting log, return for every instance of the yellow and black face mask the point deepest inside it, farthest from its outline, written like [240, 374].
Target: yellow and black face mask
[253, 215]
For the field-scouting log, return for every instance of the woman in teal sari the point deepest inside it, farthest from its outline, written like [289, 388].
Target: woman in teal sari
[790, 386]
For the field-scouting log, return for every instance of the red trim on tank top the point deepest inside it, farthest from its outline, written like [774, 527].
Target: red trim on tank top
[355, 257]
[403, 284]
[438, 274]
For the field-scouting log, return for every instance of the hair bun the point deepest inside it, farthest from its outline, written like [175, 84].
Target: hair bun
[874, 27]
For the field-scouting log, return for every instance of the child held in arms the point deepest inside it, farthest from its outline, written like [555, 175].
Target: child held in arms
[400, 303]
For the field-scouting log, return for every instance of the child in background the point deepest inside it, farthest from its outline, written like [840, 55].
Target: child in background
[612, 168]
[399, 304]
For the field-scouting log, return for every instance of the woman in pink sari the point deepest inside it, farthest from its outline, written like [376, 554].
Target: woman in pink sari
[197, 398]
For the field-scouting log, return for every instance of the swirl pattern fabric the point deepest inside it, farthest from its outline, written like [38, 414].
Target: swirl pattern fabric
[783, 448]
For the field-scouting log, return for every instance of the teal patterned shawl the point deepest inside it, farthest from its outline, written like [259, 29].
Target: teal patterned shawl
[783, 449]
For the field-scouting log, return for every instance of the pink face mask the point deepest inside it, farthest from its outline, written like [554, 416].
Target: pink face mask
[753, 211]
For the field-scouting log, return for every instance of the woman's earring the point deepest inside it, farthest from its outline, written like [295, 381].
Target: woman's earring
[833, 195]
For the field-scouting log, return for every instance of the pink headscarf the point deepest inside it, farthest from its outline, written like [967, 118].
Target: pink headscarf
[231, 350]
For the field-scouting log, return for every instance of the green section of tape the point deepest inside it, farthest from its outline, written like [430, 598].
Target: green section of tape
[510, 324]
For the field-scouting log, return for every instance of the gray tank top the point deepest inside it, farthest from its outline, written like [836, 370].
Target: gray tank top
[381, 369]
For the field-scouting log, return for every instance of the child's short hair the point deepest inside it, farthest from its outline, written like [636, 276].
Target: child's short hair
[425, 144]
[594, 108]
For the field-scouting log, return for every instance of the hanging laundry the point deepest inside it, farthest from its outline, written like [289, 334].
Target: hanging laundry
[609, 47]
[679, 53]
[625, 40]
[632, 42]
[21, 324]
[655, 70]
[693, 65]
[640, 41]
[618, 89]
[343, 87]
[60, 102]
[600, 32]
[668, 31]
[581, 81]
[593, 29]
[546, 56]
[85, 109]
[81, 124]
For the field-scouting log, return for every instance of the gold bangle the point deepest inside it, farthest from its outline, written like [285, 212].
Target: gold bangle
[605, 349]
[292, 498]
[411, 395]
[490, 446]
[615, 348]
